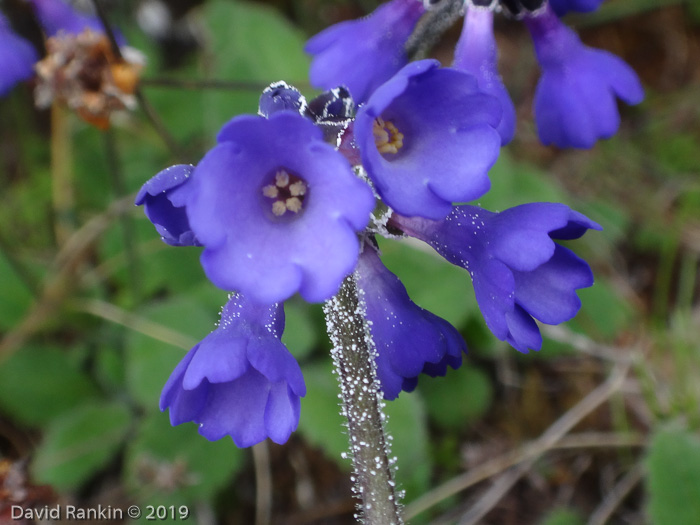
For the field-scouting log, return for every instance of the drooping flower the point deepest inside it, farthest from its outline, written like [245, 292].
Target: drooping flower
[428, 138]
[276, 209]
[165, 207]
[409, 339]
[476, 53]
[561, 7]
[575, 101]
[363, 54]
[518, 271]
[17, 57]
[240, 381]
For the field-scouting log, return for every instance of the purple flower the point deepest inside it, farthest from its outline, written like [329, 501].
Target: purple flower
[518, 271]
[164, 206]
[363, 54]
[476, 53]
[575, 99]
[428, 138]
[240, 381]
[561, 7]
[276, 209]
[17, 57]
[409, 339]
[56, 16]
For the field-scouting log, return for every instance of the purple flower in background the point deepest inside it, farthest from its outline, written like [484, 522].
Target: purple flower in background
[276, 209]
[363, 54]
[409, 339]
[163, 207]
[428, 138]
[518, 271]
[17, 57]
[561, 7]
[476, 53]
[240, 381]
[56, 16]
[575, 101]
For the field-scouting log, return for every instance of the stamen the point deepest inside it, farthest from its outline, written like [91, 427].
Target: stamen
[293, 204]
[288, 193]
[278, 208]
[387, 137]
[297, 189]
[282, 179]
[271, 191]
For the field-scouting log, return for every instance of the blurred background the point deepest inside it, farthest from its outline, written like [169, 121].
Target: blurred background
[600, 426]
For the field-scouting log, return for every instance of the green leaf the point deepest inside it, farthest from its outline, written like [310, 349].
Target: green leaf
[250, 43]
[431, 282]
[168, 465]
[320, 421]
[15, 298]
[149, 361]
[79, 443]
[515, 183]
[673, 465]
[563, 517]
[300, 328]
[408, 426]
[459, 398]
[38, 384]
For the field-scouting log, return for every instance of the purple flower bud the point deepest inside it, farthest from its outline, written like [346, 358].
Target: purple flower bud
[561, 7]
[428, 138]
[163, 207]
[476, 53]
[240, 381]
[280, 96]
[518, 271]
[362, 54]
[575, 101]
[17, 57]
[409, 339]
[276, 209]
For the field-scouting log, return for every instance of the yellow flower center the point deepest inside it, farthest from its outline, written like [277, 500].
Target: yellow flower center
[387, 137]
[287, 193]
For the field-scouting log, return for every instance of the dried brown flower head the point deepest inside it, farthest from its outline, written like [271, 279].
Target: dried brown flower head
[83, 72]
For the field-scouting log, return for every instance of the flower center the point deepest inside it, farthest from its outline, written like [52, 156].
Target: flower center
[286, 194]
[387, 137]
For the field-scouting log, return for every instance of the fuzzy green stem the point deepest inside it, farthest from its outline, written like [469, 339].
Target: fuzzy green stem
[353, 355]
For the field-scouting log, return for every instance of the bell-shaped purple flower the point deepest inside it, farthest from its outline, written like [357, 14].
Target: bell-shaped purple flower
[518, 271]
[409, 339]
[276, 209]
[363, 54]
[476, 53]
[165, 207]
[561, 7]
[428, 138]
[240, 381]
[56, 16]
[17, 57]
[575, 101]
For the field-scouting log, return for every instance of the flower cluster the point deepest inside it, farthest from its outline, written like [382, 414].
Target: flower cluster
[576, 97]
[291, 201]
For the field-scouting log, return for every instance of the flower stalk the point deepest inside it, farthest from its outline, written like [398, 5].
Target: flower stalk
[354, 357]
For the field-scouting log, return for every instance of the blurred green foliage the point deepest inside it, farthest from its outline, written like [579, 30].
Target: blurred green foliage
[89, 378]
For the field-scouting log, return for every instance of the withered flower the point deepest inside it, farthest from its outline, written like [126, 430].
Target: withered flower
[82, 72]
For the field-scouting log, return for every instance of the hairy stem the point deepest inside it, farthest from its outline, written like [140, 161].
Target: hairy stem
[353, 355]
